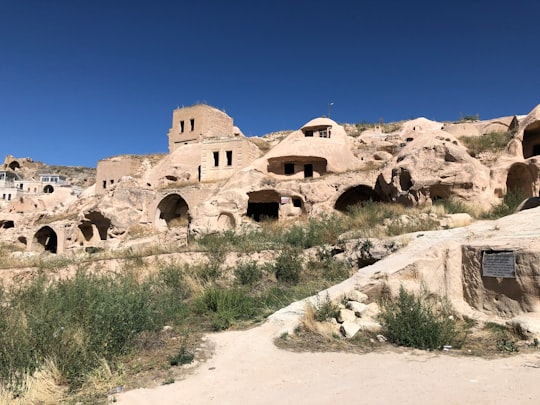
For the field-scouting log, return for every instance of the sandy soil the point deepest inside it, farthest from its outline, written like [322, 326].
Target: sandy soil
[247, 368]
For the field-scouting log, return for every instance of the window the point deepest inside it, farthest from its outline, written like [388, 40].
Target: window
[9, 197]
[289, 168]
[216, 159]
[181, 126]
[308, 133]
[229, 157]
[192, 123]
[308, 170]
[104, 183]
[323, 133]
[112, 181]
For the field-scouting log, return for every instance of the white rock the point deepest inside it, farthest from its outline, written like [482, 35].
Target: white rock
[346, 315]
[349, 329]
[369, 325]
[357, 296]
[357, 307]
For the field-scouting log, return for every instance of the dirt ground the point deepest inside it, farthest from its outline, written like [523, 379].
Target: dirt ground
[248, 368]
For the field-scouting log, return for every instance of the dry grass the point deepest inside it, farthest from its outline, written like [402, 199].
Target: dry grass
[45, 386]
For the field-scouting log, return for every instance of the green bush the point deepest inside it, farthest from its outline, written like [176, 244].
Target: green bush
[418, 321]
[288, 267]
[325, 309]
[508, 206]
[224, 306]
[248, 273]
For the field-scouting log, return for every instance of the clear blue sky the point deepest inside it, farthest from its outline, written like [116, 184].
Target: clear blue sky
[85, 80]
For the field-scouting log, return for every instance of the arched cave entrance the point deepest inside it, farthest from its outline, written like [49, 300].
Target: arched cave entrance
[48, 189]
[14, 165]
[94, 221]
[47, 238]
[174, 210]
[519, 180]
[263, 205]
[355, 196]
[531, 140]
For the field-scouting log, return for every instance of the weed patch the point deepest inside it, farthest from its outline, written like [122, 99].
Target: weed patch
[418, 321]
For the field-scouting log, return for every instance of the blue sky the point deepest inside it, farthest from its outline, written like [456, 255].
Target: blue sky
[85, 80]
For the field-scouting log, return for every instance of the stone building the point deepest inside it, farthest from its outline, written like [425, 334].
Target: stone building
[195, 123]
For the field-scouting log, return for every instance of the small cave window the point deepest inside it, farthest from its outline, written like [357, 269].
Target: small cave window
[104, 183]
[308, 133]
[297, 202]
[182, 126]
[216, 158]
[112, 181]
[289, 168]
[229, 157]
[192, 124]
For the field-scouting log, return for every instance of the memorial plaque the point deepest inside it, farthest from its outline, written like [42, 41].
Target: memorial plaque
[499, 264]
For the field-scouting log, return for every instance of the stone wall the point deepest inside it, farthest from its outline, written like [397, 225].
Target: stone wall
[222, 157]
[506, 297]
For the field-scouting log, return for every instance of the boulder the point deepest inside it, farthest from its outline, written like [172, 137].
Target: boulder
[349, 329]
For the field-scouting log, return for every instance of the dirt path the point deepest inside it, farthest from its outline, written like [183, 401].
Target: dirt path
[248, 369]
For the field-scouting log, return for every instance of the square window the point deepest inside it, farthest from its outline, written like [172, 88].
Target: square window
[289, 168]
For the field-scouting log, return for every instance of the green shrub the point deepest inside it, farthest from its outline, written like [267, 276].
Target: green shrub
[182, 357]
[508, 206]
[325, 309]
[288, 266]
[248, 273]
[418, 321]
[224, 306]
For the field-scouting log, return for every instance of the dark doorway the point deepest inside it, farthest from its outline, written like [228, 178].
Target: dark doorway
[308, 170]
[263, 210]
[355, 196]
[47, 238]
[263, 205]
